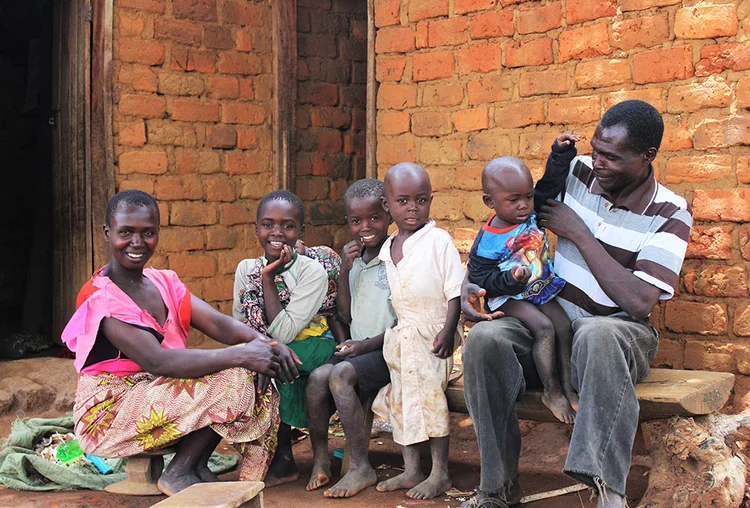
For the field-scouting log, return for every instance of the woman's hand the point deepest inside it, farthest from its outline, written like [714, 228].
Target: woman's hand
[351, 348]
[443, 343]
[288, 363]
[276, 266]
[471, 306]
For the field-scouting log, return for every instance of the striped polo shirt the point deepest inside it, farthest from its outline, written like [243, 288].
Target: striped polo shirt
[646, 232]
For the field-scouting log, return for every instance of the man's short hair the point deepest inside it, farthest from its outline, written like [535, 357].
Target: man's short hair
[130, 197]
[364, 188]
[284, 195]
[643, 122]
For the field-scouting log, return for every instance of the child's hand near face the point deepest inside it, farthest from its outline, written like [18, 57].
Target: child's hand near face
[443, 344]
[564, 142]
[521, 274]
[349, 253]
[275, 267]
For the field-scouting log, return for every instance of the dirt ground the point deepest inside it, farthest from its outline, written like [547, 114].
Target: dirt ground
[543, 454]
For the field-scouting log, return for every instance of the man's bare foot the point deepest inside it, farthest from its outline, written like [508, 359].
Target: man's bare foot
[282, 470]
[172, 483]
[402, 481]
[206, 475]
[353, 481]
[609, 499]
[559, 405]
[433, 486]
[572, 397]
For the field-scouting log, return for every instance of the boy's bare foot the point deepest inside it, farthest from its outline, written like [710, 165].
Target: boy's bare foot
[353, 481]
[402, 481]
[282, 470]
[433, 486]
[206, 475]
[172, 483]
[572, 397]
[559, 405]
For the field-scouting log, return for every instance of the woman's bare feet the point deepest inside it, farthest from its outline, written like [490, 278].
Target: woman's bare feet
[282, 470]
[437, 483]
[321, 474]
[402, 481]
[206, 475]
[170, 483]
[572, 397]
[559, 405]
[353, 482]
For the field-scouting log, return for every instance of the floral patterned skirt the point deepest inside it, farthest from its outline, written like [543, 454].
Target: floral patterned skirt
[124, 416]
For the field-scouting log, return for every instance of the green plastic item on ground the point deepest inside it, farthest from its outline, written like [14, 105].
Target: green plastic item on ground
[69, 451]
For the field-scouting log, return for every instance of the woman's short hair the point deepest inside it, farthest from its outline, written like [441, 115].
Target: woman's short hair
[130, 197]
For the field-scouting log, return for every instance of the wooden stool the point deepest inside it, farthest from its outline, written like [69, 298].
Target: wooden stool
[143, 471]
[217, 495]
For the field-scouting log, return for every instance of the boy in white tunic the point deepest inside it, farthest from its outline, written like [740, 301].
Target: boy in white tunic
[425, 274]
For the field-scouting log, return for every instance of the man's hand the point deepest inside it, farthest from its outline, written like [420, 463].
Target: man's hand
[563, 142]
[349, 253]
[288, 361]
[562, 220]
[351, 348]
[471, 305]
[443, 343]
[521, 274]
[273, 268]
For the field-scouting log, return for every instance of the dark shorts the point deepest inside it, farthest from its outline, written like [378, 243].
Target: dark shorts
[372, 371]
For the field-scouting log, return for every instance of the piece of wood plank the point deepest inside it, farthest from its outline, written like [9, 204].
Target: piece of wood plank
[371, 135]
[663, 393]
[216, 495]
[285, 89]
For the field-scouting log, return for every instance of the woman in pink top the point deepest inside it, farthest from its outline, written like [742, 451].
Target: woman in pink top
[140, 389]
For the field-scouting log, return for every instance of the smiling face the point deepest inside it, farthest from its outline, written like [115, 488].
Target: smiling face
[368, 221]
[509, 191]
[277, 225]
[617, 167]
[408, 196]
[133, 235]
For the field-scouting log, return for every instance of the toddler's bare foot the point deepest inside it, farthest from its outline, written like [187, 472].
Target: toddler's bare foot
[172, 483]
[559, 405]
[402, 481]
[353, 481]
[436, 484]
[572, 397]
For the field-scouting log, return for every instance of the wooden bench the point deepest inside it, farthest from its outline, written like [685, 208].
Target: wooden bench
[143, 471]
[217, 495]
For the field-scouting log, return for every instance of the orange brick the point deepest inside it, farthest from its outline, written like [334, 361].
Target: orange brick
[422, 35]
[239, 162]
[574, 110]
[710, 242]
[743, 93]
[195, 111]
[602, 73]
[221, 136]
[181, 32]
[247, 138]
[658, 65]
[143, 105]
[165, 132]
[239, 63]
[539, 19]
[650, 95]
[743, 169]
[150, 163]
[223, 87]
[544, 82]
[641, 5]
[319, 94]
[708, 356]
[442, 95]
[396, 149]
[480, 58]
[246, 89]
[387, 12]
[219, 237]
[475, 209]
[492, 24]
[535, 145]
[397, 96]
[670, 354]
[247, 114]
[464, 6]
[742, 321]
[467, 120]
[395, 40]
[488, 144]
[646, 32]
[520, 114]
[187, 162]
[706, 21]
[677, 135]
[587, 10]
[193, 265]
[447, 207]
[424, 9]
[235, 213]
[181, 83]
[744, 241]
[319, 140]
[529, 53]
[434, 65]
[431, 123]
[138, 51]
[717, 57]
[130, 24]
[732, 131]
[490, 89]
[722, 205]
[180, 239]
[584, 42]
[440, 151]
[140, 78]
[243, 13]
[390, 67]
[698, 168]
[716, 281]
[448, 32]
[695, 96]
[219, 189]
[330, 117]
[158, 6]
[190, 59]
[171, 188]
[312, 189]
[131, 133]
[218, 289]
[217, 37]
[695, 317]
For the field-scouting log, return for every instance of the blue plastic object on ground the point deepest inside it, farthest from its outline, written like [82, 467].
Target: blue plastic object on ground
[99, 463]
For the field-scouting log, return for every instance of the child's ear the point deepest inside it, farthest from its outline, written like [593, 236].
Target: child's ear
[488, 201]
[384, 202]
[301, 230]
[105, 230]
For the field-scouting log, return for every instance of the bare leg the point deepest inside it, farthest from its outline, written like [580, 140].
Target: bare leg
[439, 480]
[412, 475]
[283, 469]
[360, 474]
[543, 351]
[204, 473]
[564, 344]
[182, 472]
[318, 414]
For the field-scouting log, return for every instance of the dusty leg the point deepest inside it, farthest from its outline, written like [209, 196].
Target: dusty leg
[412, 475]
[564, 344]
[318, 414]
[360, 474]
[543, 351]
[182, 472]
[283, 469]
[204, 473]
[439, 480]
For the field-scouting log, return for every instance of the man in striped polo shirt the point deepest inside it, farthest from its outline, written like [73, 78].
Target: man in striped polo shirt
[621, 242]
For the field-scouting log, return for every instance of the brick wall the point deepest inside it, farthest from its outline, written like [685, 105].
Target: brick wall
[330, 136]
[463, 81]
[192, 90]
